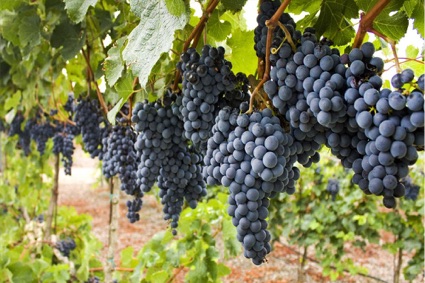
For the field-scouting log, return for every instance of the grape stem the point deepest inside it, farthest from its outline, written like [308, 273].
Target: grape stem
[91, 79]
[195, 35]
[288, 36]
[130, 98]
[366, 21]
[271, 25]
[392, 43]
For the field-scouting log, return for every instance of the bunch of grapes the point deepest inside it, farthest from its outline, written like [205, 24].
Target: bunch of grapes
[120, 158]
[206, 77]
[166, 158]
[24, 136]
[253, 156]
[411, 189]
[63, 143]
[88, 117]
[66, 246]
[41, 132]
[159, 130]
[333, 188]
[267, 10]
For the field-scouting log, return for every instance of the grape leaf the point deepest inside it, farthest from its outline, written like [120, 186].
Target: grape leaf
[394, 26]
[411, 51]
[13, 101]
[9, 4]
[124, 88]
[309, 6]
[243, 56]
[233, 5]
[29, 31]
[114, 64]
[153, 36]
[68, 36]
[332, 22]
[176, 7]
[9, 26]
[409, 6]
[77, 9]
[218, 29]
[235, 19]
[418, 16]
[392, 6]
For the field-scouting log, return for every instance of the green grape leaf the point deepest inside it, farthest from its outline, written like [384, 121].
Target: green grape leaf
[243, 56]
[114, 64]
[160, 276]
[332, 23]
[218, 29]
[418, 16]
[153, 36]
[392, 6]
[127, 256]
[9, 26]
[21, 272]
[309, 6]
[394, 26]
[13, 101]
[10, 4]
[409, 6]
[77, 9]
[176, 7]
[68, 36]
[411, 51]
[124, 88]
[29, 32]
[235, 19]
[233, 5]
[223, 270]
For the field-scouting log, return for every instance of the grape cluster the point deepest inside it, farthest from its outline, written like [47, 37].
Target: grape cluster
[333, 188]
[305, 88]
[88, 117]
[337, 101]
[267, 10]
[253, 156]
[165, 157]
[133, 207]
[411, 189]
[120, 158]
[159, 130]
[225, 123]
[206, 77]
[24, 136]
[41, 132]
[66, 246]
[63, 143]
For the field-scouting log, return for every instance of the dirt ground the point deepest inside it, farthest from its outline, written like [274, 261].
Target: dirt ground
[84, 191]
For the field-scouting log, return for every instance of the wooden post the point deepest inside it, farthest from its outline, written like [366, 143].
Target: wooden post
[113, 229]
[53, 200]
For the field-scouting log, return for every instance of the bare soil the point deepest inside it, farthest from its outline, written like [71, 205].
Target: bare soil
[84, 191]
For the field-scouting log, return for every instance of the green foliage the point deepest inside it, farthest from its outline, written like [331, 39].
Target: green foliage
[193, 251]
[311, 218]
[406, 224]
[26, 257]
[50, 48]
[152, 37]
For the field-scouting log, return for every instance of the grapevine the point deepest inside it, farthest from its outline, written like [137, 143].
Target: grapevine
[185, 106]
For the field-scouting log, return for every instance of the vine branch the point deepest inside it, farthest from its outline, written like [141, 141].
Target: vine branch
[271, 25]
[366, 21]
[91, 75]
